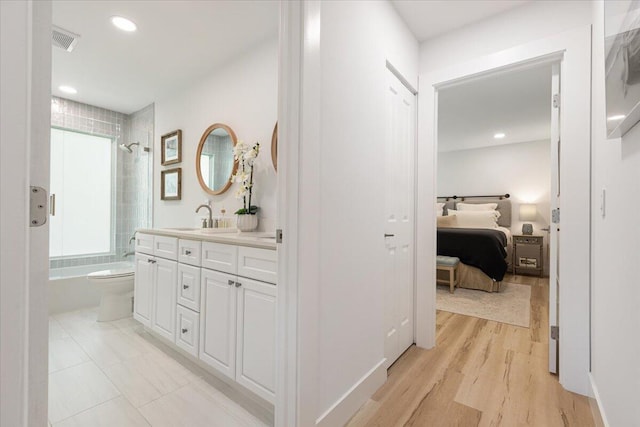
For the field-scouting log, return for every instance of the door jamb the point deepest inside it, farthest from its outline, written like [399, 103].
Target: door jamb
[575, 46]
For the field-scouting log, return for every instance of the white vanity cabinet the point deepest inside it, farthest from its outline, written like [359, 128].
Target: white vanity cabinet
[155, 284]
[214, 300]
[238, 319]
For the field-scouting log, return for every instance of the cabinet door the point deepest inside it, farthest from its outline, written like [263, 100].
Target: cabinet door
[143, 291]
[187, 330]
[256, 342]
[218, 321]
[163, 320]
[189, 287]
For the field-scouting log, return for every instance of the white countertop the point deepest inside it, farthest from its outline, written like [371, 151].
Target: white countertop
[254, 239]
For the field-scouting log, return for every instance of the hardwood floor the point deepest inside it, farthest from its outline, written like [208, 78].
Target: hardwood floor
[481, 373]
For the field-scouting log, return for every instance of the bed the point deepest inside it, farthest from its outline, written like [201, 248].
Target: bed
[484, 252]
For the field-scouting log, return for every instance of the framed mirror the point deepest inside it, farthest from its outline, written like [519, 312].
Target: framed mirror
[274, 147]
[171, 184]
[214, 158]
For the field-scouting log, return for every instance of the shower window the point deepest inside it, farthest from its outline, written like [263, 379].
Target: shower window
[81, 179]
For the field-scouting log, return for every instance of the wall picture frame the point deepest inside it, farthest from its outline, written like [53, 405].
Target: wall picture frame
[171, 148]
[622, 65]
[171, 184]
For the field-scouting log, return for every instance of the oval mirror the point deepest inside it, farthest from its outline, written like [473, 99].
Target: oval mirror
[214, 158]
[274, 147]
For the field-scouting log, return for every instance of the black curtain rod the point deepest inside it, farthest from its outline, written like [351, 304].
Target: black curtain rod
[499, 196]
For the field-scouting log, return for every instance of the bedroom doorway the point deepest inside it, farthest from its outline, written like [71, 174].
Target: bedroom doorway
[497, 182]
[572, 51]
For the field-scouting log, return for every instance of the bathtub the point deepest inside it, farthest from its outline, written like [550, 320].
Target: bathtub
[70, 290]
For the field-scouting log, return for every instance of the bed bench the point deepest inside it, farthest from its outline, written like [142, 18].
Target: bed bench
[448, 264]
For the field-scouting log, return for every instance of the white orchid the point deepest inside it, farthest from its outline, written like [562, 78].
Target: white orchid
[239, 149]
[245, 156]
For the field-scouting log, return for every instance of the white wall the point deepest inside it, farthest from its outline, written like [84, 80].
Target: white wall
[615, 288]
[243, 95]
[356, 39]
[523, 170]
[534, 20]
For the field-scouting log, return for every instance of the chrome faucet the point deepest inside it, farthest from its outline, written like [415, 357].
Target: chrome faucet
[209, 222]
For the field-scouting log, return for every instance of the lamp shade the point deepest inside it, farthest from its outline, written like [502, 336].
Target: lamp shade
[528, 212]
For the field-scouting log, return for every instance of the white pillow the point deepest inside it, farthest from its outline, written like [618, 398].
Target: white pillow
[476, 219]
[476, 206]
[439, 209]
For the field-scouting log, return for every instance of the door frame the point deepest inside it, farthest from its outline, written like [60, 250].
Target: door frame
[26, 118]
[574, 48]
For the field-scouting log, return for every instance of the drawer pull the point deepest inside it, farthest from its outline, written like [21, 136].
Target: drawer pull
[231, 283]
[238, 284]
[187, 252]
[185, 286]
[185, 330]
[151, 261]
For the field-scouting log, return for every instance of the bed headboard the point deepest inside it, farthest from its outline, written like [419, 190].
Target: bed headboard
[504, 205]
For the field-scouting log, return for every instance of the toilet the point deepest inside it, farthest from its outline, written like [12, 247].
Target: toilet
[116, 287]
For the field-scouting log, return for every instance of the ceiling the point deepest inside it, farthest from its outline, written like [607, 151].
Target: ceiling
[517, 103]
[177, 42]
[430, 18]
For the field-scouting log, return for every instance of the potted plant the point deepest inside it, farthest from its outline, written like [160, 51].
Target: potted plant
[247, 218]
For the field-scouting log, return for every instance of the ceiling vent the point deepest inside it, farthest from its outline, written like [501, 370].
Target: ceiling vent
[65, 40]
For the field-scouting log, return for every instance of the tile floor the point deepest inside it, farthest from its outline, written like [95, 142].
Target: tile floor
[116, 374]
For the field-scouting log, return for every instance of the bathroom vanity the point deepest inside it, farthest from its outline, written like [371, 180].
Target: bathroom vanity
[213, 296]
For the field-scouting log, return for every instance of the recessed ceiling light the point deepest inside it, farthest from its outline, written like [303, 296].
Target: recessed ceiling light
[124, 24]
[616, 117]
[67, 89]
[499, 135]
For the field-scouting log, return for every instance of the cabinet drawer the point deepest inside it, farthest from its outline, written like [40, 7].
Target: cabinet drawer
[220, 257]
[187, 330]
[189, 286]
[144, 243]
[260, 264]
[166, 247]
[189, 252]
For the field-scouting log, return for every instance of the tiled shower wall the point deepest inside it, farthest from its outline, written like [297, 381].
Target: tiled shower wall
[133, 186]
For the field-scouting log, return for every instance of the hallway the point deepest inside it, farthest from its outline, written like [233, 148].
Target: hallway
[481, 373]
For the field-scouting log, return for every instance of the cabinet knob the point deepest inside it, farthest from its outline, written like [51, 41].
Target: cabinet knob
[231, 283]
[185, 286]
[187, 252]
[151, 261]
[238, 284]
[185, 330]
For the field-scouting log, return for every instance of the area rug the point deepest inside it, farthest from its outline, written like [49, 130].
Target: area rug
[511, 305]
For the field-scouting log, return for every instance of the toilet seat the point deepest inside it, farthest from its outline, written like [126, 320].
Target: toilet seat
[113, 273]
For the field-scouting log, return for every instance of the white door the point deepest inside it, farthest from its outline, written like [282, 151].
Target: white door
[256, 351]
[399, 218]
[554, 228]
[218, 321]
[163, 320]
[143, 291]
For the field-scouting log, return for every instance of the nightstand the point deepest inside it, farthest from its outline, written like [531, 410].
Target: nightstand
[527, 254]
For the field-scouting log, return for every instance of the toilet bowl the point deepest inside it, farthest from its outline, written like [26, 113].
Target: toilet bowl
[116, 286]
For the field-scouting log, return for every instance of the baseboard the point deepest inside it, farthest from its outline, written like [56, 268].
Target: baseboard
[594, 389]
[344, 408]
